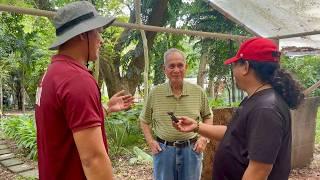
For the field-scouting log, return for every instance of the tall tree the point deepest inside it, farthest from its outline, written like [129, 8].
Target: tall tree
[26, 40]
[123, 69]
[202, 17]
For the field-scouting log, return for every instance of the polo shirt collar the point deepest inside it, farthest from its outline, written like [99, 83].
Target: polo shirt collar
[184, 89]
[65, 58]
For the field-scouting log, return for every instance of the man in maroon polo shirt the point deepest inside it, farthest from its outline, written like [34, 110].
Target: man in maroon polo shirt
[71, 136]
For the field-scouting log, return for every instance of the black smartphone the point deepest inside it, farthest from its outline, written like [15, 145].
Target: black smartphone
[173, 117]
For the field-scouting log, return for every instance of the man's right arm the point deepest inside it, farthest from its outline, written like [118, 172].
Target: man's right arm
[215, 132]
[94, 158]
[187, 124]
[153, 144]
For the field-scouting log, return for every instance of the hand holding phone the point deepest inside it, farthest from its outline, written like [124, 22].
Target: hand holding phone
[173, 117]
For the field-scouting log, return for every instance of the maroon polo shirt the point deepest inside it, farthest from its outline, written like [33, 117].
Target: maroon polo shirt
[68, 100]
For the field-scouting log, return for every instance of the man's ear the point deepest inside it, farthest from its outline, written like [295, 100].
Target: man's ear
[246, 68]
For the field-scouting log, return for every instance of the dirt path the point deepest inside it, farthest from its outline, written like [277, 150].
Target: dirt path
[5, 174]
[125, 171]
[309, 173]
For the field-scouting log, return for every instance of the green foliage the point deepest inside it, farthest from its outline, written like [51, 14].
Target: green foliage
[22, 130]
[219, 103]
[123, 130]
[26, 39]
[305, 69]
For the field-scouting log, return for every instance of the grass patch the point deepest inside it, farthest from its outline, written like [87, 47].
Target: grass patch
[22, 130]
[123, 132]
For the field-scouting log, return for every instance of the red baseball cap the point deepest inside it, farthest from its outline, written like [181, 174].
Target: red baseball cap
[257, 49]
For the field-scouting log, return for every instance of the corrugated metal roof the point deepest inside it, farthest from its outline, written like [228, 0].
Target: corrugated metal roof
[270, 18]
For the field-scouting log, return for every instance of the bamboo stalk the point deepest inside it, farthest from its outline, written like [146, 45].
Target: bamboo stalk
[29, 11]
[50, 14]
[145, 50]
[296, 35]
[311, 88]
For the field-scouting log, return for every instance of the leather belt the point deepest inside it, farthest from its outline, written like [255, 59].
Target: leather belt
[179, 144]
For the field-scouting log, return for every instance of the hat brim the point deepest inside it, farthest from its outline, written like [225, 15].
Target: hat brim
[231, 60]
[88, 25]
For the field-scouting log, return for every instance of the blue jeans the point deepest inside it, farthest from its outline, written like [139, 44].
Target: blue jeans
[177, 163]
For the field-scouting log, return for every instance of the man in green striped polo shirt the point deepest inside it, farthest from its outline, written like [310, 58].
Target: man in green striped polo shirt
[176, 155]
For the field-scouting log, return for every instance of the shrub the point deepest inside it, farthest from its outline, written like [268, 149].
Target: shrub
[219, 103]
[22, 130]
[123, 130]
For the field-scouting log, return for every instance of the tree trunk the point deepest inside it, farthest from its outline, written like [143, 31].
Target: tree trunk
[211, 88]
[19, 95]
[1, 98]
[114, 82]
[232, 79]
[216, 87]
[23, 96]
[202, 69]
[111, 68]
[159, 76]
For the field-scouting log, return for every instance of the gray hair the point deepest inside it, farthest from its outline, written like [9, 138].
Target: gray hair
[171, 51]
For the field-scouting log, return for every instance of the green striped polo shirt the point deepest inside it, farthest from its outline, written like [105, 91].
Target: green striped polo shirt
[193, 103]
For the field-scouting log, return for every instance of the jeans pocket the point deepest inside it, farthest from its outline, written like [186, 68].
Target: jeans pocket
[192, 149]
[163, 148]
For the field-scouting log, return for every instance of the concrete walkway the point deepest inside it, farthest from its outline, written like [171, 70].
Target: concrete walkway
[15, 165]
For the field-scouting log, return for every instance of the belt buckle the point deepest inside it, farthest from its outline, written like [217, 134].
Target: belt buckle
[175, 143]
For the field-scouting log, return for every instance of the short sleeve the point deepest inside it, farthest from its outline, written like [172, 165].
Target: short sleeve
[146, 113]
[81, 102]
[265, 133]
[205, 109]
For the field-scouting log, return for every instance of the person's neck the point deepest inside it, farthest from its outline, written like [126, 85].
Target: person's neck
[176, 88]
[256, 87]
[74, 54]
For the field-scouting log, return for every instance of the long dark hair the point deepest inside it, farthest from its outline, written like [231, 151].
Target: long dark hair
[280, 80]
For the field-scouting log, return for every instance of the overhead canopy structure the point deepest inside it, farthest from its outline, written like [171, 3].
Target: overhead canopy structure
[278, 19]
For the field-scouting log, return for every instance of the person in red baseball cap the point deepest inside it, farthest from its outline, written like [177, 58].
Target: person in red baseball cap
[257, 142]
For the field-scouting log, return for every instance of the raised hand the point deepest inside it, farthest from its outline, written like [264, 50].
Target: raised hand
[120, 101]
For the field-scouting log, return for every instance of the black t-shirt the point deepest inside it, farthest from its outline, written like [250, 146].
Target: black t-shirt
[260, 130]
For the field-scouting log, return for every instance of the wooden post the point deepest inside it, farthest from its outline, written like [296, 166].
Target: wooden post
[145, 49]
[221, 117]
[312, 88]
